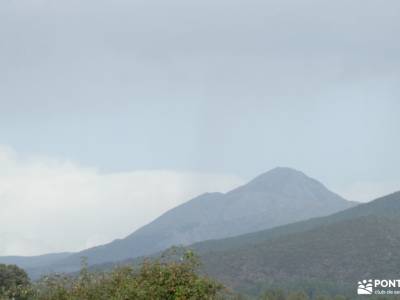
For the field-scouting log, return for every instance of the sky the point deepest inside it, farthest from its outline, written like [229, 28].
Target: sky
[112, 112]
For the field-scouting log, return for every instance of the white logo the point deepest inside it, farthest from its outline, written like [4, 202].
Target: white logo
[365, 287]
[379, 287]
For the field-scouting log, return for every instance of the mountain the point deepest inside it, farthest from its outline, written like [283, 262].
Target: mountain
[277, 197]
[330, 254]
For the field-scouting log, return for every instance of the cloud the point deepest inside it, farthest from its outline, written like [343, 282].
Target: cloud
[50, 205]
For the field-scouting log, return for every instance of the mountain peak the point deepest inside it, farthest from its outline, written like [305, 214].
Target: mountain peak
[283, 171]
[280, 176]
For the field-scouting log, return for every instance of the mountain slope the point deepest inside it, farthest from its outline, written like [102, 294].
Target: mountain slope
[386, 206]
[277, 197]
[330, 253]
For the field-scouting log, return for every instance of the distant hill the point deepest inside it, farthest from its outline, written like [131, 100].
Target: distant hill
[27, 262]
[277, 197]
[330, 254]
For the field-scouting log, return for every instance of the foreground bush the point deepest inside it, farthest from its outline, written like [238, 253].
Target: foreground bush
[173, 279]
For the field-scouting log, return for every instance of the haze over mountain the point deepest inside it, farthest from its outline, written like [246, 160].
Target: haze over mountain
[330, 254]
[277, 197]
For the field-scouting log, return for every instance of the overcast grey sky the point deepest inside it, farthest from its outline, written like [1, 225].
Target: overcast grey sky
[175, 90]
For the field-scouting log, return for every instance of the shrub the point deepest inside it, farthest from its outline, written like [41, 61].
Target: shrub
[154, 279]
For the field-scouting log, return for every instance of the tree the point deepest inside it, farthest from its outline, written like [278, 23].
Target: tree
[14, 282]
